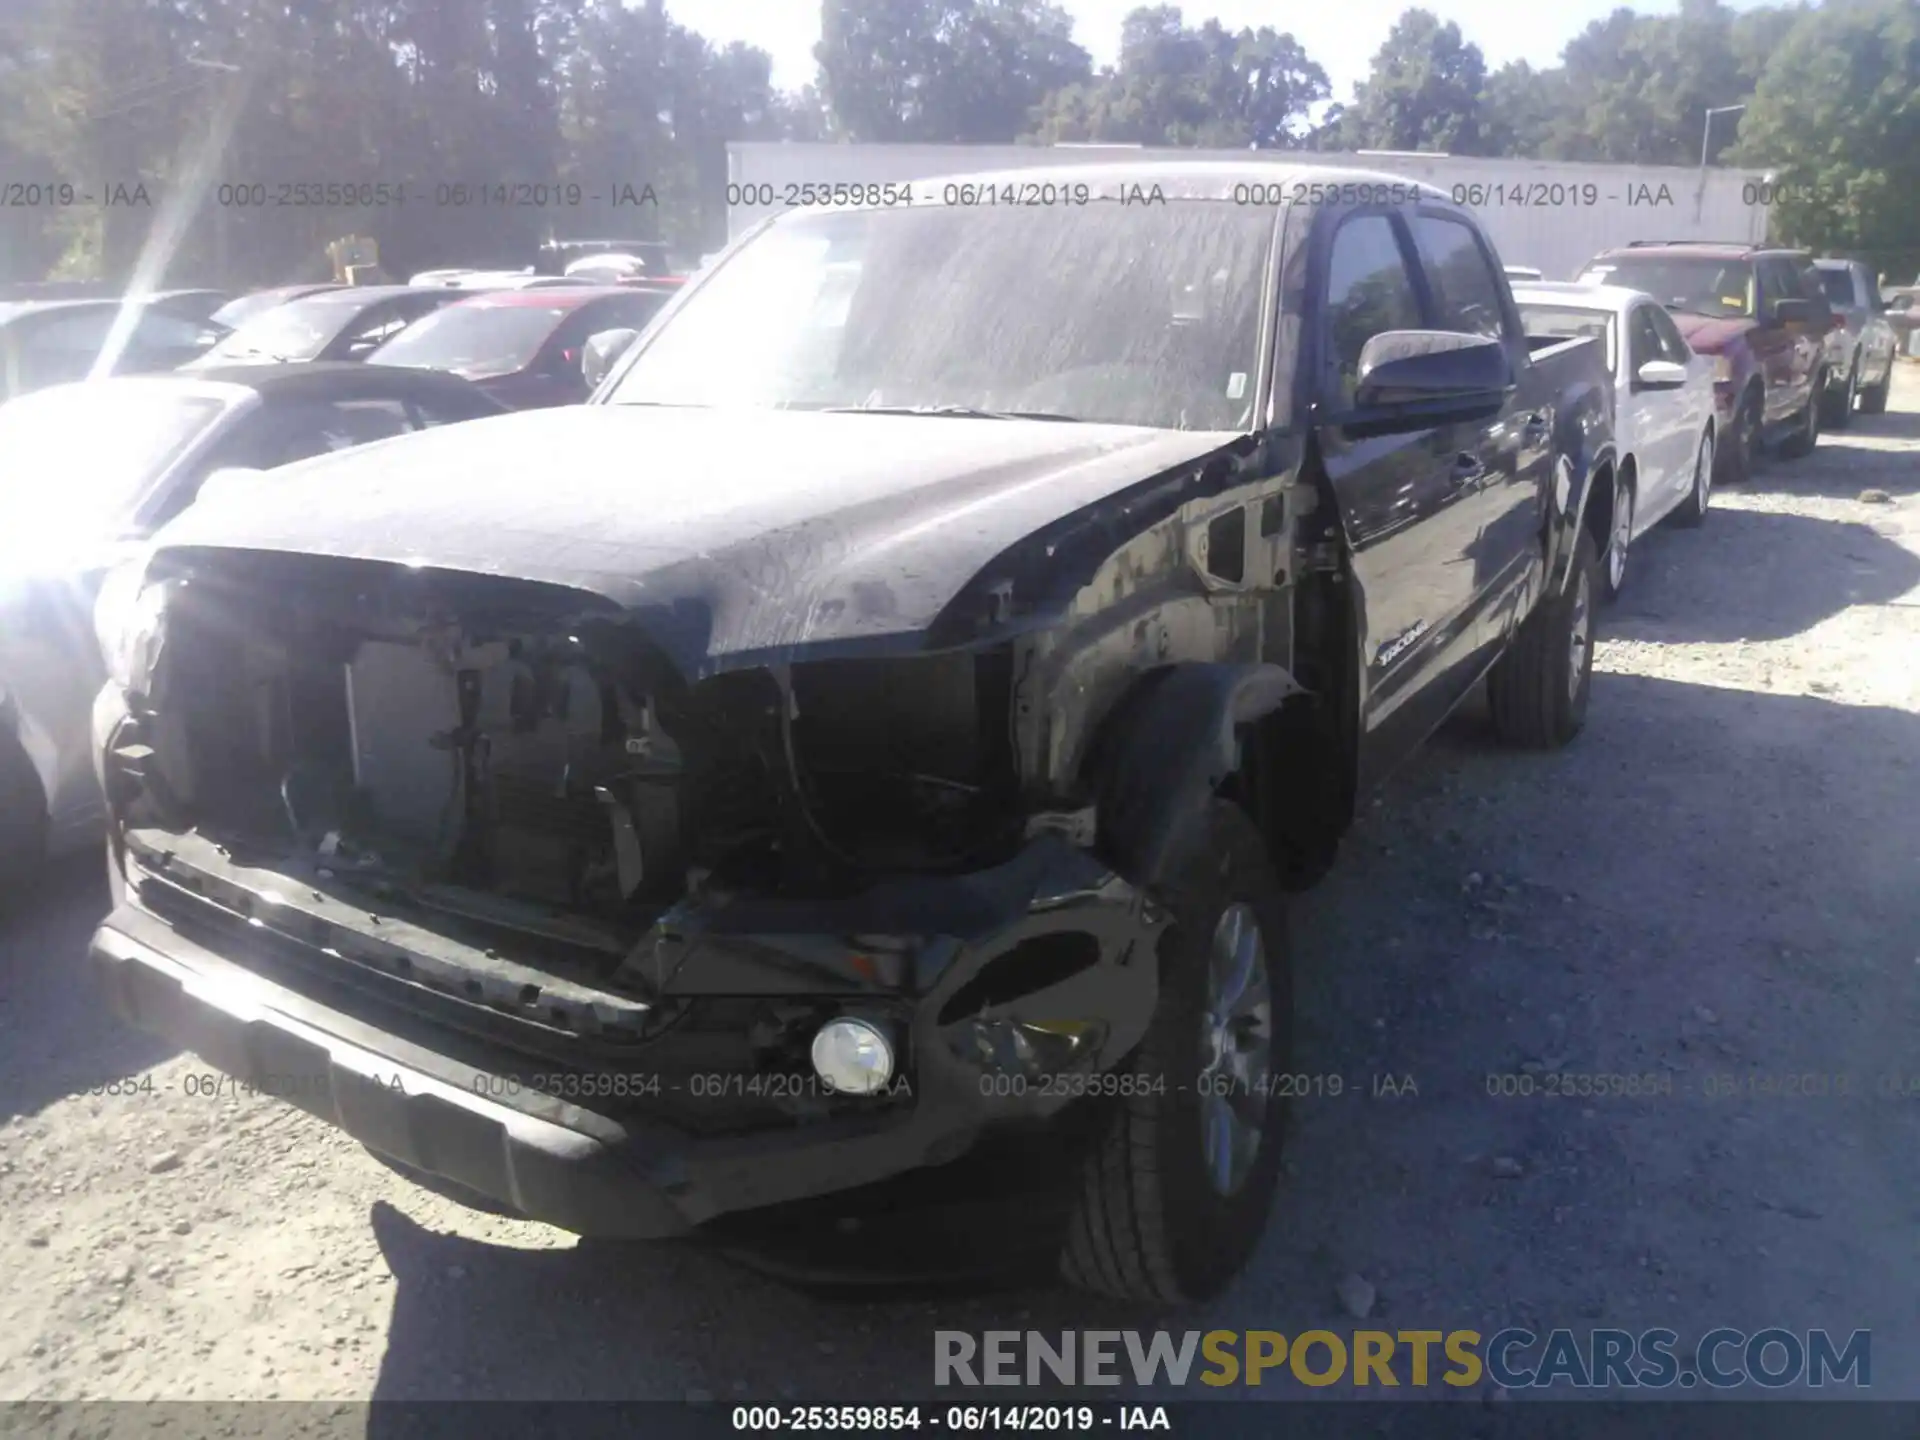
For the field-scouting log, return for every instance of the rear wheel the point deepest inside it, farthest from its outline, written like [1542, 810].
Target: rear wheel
[1538, 690]
[1693, 509]
[1873, 399]
[1806, 430]
[1175, 1191]
[1837, 405]
[23, 821]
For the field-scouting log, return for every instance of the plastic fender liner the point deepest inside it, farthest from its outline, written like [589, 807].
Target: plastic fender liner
[1169, 748]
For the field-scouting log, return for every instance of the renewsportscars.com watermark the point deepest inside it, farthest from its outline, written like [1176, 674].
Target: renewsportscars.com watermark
[1514, 1359]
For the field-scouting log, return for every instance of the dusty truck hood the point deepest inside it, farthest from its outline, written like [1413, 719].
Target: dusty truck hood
[742, 532]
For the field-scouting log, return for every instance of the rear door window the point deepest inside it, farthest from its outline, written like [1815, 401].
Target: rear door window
[1673, 345]
[1466, 287]
[1643, 341]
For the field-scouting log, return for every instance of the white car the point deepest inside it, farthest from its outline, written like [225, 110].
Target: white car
[1523, 273]
[1663, 419]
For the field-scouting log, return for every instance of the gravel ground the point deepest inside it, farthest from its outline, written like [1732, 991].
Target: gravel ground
[1718, 880]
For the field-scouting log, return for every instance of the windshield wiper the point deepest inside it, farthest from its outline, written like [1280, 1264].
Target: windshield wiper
[965, 412]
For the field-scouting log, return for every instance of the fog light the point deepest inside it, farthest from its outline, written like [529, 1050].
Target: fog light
[852, 1057]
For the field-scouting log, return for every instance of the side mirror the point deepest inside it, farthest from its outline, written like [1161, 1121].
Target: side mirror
[602, 350]
[1412, 379]
[1793, 312]
[1661, 375]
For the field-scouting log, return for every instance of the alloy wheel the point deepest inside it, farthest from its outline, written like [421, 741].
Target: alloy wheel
[1621, 538]
[1236, 1047]
[1580, 632]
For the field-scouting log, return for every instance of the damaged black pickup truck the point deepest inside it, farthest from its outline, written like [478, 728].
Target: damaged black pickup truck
[882, 725]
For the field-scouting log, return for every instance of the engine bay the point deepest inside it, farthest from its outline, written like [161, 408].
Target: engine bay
[551, 761]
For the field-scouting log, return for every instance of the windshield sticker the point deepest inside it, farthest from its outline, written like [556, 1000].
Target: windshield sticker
[1237, 386]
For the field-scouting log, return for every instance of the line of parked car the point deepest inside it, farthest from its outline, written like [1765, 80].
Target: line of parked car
[876, 680]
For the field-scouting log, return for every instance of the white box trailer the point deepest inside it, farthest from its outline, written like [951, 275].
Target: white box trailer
[1552, 215]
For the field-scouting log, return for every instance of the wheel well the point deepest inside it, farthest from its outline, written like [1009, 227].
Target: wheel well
[1599, 514]
[1298, 768]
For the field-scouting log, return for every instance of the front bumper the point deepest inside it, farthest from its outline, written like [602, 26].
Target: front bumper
[278, 1014]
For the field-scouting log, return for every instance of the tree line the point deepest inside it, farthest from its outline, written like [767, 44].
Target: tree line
[466, 131]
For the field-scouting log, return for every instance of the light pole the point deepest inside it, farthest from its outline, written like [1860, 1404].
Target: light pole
[1706, 129]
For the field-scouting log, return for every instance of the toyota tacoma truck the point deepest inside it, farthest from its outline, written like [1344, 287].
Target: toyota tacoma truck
[877, 734]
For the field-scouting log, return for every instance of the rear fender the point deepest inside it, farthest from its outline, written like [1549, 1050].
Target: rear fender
[1166, 751]
[1584, 455]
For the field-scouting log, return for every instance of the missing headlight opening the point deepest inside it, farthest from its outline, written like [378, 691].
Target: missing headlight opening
[541, 758]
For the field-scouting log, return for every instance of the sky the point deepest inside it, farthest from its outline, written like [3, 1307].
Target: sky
[1341, 36]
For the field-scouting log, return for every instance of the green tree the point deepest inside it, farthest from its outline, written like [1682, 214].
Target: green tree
[1837, 115]
[942, 71]
[1205, 86]
[1638, 87]
[1518, 109]
[1423, 92]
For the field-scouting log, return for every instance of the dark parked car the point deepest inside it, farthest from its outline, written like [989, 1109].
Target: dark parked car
[198, 306]
[1868, 343]
[523, 347]
[238, 311]
[867, 744]
[87, 472]
[1764, 318]
[345, 324]
[50, 342]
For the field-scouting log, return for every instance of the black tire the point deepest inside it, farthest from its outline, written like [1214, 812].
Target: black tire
[1149, 1225]
[1538, 690]
[1873, 399]
[1836, 406]
[1806, 425]
[1692, 511]
[23, 822]
[1741, 451]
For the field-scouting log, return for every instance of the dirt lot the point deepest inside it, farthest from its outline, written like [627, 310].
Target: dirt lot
[1721, 879]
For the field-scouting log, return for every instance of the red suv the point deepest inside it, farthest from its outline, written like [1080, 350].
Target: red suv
[1763, 317]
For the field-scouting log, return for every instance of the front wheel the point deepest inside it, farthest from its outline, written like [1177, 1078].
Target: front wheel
[1806, 431]
[1837, 405]
[1693, 509]
[1613, 565]
[1873, 399]
[1175, 1191]
[1538, 690]
[1742, 449]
